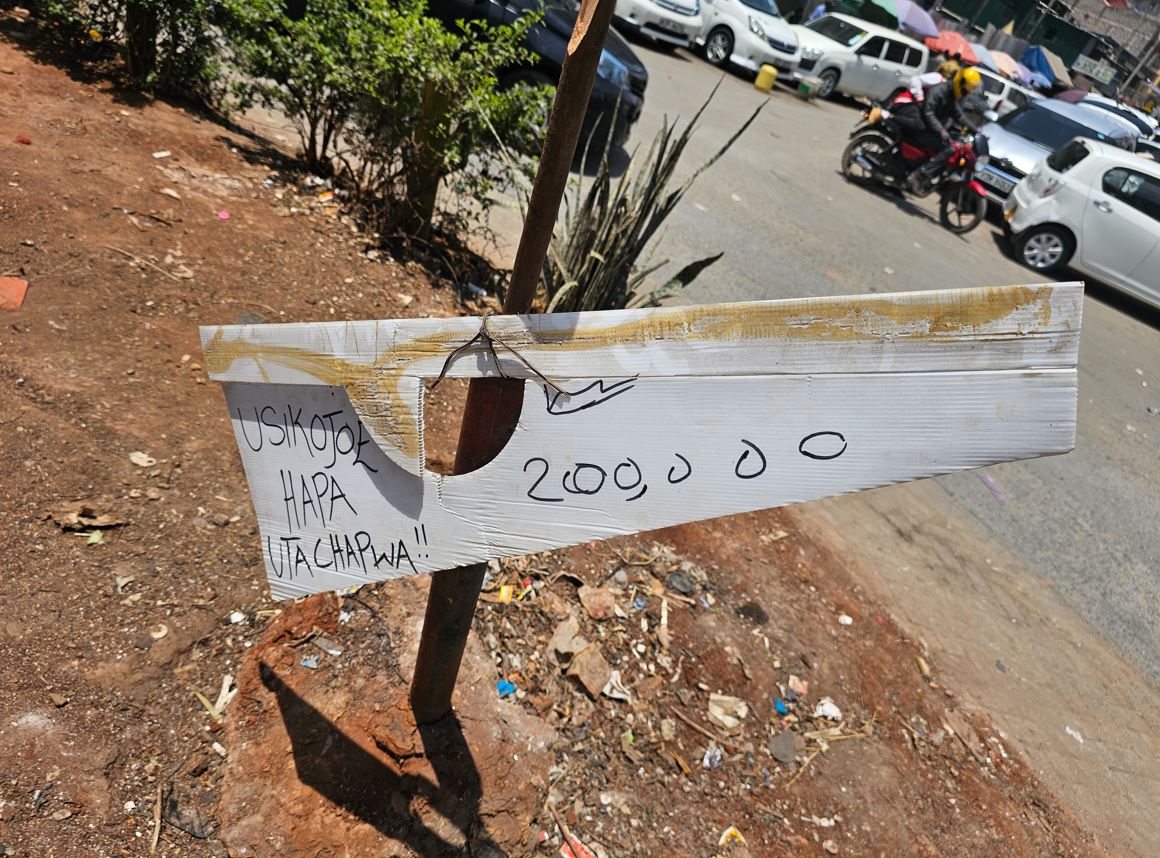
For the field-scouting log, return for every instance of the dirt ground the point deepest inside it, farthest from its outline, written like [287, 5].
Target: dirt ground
[134, 584]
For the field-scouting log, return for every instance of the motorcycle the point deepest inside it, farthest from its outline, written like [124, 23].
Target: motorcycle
[877, 153]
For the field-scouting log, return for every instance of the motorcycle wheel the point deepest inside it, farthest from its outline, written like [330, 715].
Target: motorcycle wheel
[960, 209]
[871, 143]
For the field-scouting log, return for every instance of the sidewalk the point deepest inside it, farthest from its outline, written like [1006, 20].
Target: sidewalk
[1086, 719]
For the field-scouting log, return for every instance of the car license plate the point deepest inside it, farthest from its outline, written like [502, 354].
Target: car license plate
[670, 27]
[1003, 186]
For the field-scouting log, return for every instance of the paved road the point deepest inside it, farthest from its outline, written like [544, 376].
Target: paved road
[791, 226]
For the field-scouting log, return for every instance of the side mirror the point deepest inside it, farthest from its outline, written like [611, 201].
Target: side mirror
[990, 116]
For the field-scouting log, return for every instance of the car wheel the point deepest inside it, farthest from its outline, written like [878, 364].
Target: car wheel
[719, 47]
[829, 80]
[1044, 248]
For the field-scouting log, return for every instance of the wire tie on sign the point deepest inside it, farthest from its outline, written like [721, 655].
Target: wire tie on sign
[491, 341]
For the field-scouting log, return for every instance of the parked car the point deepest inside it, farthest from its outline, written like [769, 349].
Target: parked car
[747, 33]
[621, 79]
[1019, 140]
[1005, 95]
[1095, 208]
[1141, 120]
[858, 58]
[666, 22]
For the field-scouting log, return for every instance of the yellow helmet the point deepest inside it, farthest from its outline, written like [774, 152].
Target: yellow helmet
[966, 81]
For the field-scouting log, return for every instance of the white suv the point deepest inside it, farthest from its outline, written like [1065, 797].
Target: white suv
[1004, 95]
[747, 33]
[1096, 208]
[858, 58]
[670, 22]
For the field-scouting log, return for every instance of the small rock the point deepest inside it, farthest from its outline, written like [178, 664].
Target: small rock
[783, 747]
[62, 814]
[591, 669]
[830, 846]
[599, 602]
[142, 460]
[567, 640]
[553, 605]
[220, 519]
[143, 642]
[679, 582]
[619, 579]
[58, 700]
[845, 620]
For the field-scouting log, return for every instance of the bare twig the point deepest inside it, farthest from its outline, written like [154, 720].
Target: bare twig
[265, 307]
[800, 771]
[563, 826]
[156, 822]
[141, 261]
[703, 731]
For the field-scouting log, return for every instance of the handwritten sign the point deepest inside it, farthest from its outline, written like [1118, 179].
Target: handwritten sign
[632, 420]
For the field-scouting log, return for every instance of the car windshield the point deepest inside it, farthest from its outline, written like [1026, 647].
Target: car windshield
[1144, 127]
[1050, 129]
[842, 32]
[769, 7]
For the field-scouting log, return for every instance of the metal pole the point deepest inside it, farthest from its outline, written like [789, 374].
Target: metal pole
[493, 404]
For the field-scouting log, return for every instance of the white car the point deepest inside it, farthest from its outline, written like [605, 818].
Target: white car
[1004, 95]
[1095, 208]
[747, 33]
[858, 58]
[670, 22]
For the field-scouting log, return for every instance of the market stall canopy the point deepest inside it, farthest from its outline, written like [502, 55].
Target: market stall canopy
[1040, 59]
[1007, 64]
[914, 17]
[1033, 78]
[951, 43]
[985, 58]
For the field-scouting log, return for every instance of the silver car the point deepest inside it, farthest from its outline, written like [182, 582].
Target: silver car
[1019, 140]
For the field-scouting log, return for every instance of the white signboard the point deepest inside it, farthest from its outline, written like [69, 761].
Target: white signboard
[1095, 69]
[632, 420]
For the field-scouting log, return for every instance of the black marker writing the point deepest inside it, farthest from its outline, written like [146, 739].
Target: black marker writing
[749, 473]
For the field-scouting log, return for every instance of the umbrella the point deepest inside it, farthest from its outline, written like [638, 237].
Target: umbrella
[914, 17]
[1007, 65]
[985, 58]
[950, 42]
[1071, 96]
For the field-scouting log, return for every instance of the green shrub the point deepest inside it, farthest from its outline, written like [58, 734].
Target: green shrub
[399, 105]
[167, 46]
[592, 260]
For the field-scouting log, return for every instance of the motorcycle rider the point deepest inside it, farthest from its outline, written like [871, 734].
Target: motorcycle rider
[942, 111]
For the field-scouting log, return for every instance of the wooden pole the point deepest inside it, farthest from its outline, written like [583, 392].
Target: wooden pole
[493, 404]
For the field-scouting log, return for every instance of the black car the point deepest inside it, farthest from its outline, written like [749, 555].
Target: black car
[618, 93]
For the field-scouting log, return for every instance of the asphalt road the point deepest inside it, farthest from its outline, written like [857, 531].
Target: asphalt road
[791, 226]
